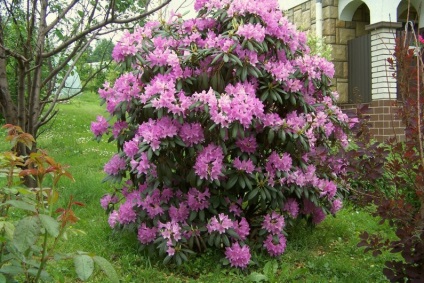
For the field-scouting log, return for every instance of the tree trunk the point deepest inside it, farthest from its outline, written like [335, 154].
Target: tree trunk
[6, 104]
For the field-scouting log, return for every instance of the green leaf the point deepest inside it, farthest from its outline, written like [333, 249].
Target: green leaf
[217, 57]
[2, 278]
[225, 240]
[250, 46]
[26, 233]
[257, 277]
[202, 215]
[293, 100]
[264, 96]
[252, 194]
[233, 233]
[241, 182]
[107, 268]
[234, 58]
[193, 215]
[22, 205]
[11, 269]
[84, 266]
[226, 58]
[244, 73]
[232, 181]
[50, 224]
[218, 241]
[271, 135]
[167, 259]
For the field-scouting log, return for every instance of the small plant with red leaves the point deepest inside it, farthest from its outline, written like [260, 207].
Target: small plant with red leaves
[29, 231]
[401, 201]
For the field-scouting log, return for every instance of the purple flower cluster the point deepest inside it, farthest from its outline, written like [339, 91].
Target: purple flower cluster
[250, 31]
[100, 127]
[198, 200]
[273, 223]
[239, 256]
[191, 133]
[115, 165]
[152, 131]
[219, 224]
[245, 165]
[276, 163]
[209, 162]
[275, 242]
[108, 199]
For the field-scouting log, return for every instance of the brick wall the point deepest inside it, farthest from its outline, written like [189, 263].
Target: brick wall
[384, 123]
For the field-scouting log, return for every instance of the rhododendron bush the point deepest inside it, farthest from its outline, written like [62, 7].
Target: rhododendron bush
[227, 131]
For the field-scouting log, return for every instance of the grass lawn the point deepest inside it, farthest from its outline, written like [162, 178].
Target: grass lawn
[326, 253]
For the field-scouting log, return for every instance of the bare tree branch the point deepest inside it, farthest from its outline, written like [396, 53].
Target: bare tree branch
[62, 15]
[99, 26]
[14, 54]
[65, 62]
[45, 116]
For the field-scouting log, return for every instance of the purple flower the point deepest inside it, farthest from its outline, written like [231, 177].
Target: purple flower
[146, 235]
[191, 133]
[197, 200]
[130, 148]
[170, 250]
[327, 188]
[118, 127]
[115, 164]
[292, 207]
[113, 219]
[250, 31]
[209, 162]
[179, 214]
[143, 165]
[273, 223]
[107, 199]
[126, 213]
[152, 131]
[237, 255]
[152, 204]
[220, 224]
[275, 244]
[100, 126]
[245, 165]
[170, 231]
[247, 144]
[235, 207]
[336, 205]
[317, 213]
[242, 228]
[276, 163]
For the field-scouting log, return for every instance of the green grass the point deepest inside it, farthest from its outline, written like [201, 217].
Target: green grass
[326, 253]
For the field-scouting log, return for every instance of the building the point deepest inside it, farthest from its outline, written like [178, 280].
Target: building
[362, 34]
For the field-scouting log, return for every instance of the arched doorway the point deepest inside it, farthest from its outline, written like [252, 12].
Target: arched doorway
[359, 58]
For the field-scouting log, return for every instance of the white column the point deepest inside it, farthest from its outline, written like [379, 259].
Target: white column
[382, 47]
[318, 17]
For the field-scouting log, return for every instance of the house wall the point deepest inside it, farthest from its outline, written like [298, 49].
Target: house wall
[335, 32]
[382, 111]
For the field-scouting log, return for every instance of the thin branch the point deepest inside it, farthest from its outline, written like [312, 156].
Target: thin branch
[99, 26]
[68, 58]
[45, 117]
[14, 54]
[62, 15]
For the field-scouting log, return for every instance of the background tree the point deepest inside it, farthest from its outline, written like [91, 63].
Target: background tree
[43, 39]
[102, 51]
